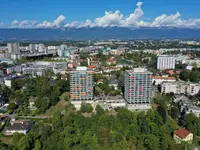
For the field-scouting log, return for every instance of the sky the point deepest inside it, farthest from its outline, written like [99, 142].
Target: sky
[101, 13]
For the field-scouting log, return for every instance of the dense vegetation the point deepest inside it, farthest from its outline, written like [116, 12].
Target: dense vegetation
[45, 89]
[192, 75]
[121, 130]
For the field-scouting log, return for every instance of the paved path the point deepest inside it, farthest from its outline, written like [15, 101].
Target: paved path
[34, 117]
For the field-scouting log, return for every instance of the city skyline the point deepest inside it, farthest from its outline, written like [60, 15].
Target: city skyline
[62, 14]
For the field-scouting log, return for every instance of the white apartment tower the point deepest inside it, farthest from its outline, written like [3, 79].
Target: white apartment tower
[13, 48]
[165, 62]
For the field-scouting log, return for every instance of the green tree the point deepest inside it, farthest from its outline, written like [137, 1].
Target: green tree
[37, 145]
[12, 106]
[99, 110]
[174, 113]
[86, 108]
[194, 76]
[185, 75]
[152, 142]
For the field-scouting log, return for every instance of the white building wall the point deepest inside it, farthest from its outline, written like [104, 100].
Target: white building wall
[165, 62]
[177, 88]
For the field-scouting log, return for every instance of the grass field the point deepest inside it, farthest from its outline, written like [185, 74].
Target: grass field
[6, 139]
[58, 107]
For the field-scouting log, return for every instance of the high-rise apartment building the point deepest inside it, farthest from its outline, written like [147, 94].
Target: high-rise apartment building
[64, 51]
[165, 62]
[81, 84]
[13, 48]
[138, 86]
[33, 47]
[41, 48]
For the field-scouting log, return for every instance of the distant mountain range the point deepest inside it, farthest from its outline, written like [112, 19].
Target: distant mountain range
[97, 34]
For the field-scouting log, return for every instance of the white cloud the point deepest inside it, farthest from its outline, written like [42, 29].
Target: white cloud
[59, 21]
[112, 19]
[15, 23]
[72, 25]
[165, 20]
[139, 4]
[44, 24]
[87, 23]
[137, 14]
[109, 19]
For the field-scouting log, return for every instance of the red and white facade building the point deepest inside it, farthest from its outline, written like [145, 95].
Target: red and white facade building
[138, 86]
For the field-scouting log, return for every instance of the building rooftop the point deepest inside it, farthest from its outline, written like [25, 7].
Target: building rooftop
[139, 71]
[164, 78]
[20, 125]
[181, 83]
[182, 133]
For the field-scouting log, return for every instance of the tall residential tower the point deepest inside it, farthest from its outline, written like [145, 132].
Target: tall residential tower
[13, 48]
[138, 86]
[81, 84]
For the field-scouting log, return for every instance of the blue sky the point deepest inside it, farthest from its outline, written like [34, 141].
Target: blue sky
[80, 10]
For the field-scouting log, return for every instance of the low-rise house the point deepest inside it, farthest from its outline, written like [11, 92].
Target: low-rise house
[110, 69]
[189, 67]
[187, 106]
[111, 61]
[179, 97]
[32, 103]
[160, 79]
[114, 83]
[183, 135]
[19, 126]
[172, 72]
[100, 81]
[8, 80]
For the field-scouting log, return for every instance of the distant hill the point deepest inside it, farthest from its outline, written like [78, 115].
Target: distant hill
[97, 34]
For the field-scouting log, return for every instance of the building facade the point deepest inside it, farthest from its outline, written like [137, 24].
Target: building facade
[182, 135]
[81, 84]
[159, 79]
[13, 48]
[180, 88]
[64, 51]
[165, 62]
[138, 86]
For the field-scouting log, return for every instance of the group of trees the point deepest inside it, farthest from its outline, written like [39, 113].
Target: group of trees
[86, 108]
[188, 75]
[125, 130]
[104, 88]
[46, 91]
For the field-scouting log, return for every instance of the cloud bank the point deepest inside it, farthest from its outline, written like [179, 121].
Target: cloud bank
[111, 19]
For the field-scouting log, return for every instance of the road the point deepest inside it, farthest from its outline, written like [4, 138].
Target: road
[34, 117]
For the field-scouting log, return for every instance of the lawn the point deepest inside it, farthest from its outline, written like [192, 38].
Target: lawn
[6, 139]
[58, 107]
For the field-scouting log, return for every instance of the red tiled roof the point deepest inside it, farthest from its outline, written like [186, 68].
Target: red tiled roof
[91, 67]
[164, 78]
[182, 133]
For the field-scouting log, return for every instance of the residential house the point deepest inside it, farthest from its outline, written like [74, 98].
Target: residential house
[183, 135]
[114, 83]
[32, 103]
[111, 61]
[160, 79]
[19, 126]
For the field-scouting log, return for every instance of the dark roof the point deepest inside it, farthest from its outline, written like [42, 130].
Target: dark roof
[113, 81]
[182, 133]
[2, 99]
[24, 125]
